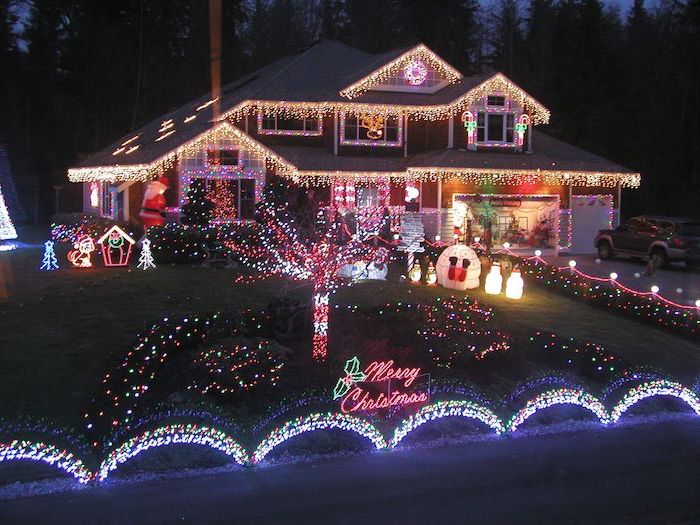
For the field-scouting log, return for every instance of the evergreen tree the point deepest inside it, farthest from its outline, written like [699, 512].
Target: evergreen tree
[198, 208]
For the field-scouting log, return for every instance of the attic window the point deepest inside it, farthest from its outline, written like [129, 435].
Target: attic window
[278, 125]
[496, 101]
[222, 157]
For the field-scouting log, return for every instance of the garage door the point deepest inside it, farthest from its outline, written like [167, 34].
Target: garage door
[589, 213]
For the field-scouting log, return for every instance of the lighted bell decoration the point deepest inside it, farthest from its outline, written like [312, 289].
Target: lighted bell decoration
[494, 280]
[514, 285]
[415, 272]
[431, 275]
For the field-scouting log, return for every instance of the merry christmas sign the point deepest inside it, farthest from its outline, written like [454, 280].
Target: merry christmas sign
[380, 385]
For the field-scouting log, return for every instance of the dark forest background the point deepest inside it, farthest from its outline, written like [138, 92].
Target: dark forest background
[76, 74]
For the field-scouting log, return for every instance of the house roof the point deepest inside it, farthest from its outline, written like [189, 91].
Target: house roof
[313, 77]
[549, 154]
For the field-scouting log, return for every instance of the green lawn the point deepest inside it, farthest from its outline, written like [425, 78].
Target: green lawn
[62, 330]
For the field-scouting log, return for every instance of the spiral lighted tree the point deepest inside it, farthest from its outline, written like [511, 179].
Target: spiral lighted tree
[280, 249]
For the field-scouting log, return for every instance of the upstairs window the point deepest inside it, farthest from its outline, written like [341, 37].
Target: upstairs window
[496, 101]
[279, 125]
[495, 128]
[222, 157]
[371, 130]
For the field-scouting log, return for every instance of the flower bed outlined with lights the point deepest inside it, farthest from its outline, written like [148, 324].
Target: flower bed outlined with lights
[650, 307]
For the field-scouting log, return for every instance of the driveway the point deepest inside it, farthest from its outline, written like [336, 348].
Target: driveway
[669, 280]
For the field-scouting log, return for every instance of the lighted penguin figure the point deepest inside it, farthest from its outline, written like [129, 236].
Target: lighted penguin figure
[458, 268]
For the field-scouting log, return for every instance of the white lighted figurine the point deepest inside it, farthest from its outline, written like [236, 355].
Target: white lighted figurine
[458, 268]
[514, 285]
[494, 280]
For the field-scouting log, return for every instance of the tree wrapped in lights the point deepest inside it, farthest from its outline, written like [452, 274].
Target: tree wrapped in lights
[280, 250]
[223, 201]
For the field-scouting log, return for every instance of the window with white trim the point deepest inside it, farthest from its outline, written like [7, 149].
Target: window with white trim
[367, 196]
[279, 125]
[495, 128]
[371, 130]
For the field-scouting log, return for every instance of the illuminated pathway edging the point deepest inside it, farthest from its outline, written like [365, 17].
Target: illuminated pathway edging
[178, 434]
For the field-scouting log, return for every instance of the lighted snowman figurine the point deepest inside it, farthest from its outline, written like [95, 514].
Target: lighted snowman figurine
[514, 285]
[458, 268]
[494, 280]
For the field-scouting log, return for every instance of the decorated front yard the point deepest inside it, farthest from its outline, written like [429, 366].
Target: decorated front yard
[108, 362]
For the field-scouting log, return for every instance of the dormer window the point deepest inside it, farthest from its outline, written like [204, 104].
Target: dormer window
[371, 130]
[494, 128]
[279, 125]
[496, 101]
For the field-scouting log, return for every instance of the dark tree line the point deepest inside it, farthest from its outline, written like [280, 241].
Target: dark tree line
[78, 73]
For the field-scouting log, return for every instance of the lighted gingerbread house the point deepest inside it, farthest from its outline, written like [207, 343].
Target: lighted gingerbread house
[116, 246]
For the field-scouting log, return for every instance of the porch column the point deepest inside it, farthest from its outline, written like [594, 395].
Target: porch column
[450, 134]
[617, 209]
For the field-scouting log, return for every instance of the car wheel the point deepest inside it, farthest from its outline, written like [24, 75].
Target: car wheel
[605, 250]
[661, 257]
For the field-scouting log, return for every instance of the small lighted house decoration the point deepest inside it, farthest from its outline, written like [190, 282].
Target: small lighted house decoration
[114, 250]
[415, 272]
[458, 268]
[494, 280]
[521, 128]
[431, 275]
[415, 73]
[81, 255]
[514, 285]
[469, 125]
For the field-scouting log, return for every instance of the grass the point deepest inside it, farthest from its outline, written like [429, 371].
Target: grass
[61, 331]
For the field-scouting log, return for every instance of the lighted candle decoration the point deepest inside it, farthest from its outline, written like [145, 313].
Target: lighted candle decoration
[514, 285]
[494, 280]
[415, 272]
[431, 275]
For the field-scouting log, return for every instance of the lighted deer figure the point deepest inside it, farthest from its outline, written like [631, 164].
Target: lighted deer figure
[374, 124]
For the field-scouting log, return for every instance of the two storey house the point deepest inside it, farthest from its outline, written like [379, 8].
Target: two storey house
[403, 130]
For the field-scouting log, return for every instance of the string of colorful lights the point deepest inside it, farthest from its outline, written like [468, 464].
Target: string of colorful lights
[203, 435]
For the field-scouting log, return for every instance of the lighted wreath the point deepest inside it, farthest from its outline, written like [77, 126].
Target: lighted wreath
[415, 73]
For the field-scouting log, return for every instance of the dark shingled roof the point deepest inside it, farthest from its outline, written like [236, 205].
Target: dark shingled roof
[549, 154]
[316, 74]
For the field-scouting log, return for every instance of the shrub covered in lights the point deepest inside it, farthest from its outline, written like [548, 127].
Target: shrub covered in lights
[69, 227]
[236, 366]
[181, 243]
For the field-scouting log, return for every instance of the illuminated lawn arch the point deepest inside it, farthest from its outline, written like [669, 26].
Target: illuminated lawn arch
[180, 434]
[441, 409]
[560, 396]
[314, 422]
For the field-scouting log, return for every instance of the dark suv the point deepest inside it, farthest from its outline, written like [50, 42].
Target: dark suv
[666, 238]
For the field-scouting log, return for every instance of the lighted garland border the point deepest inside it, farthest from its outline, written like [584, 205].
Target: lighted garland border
[216, 439]
[650, 308]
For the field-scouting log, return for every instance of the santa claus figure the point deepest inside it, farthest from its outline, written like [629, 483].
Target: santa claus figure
[153, 206]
